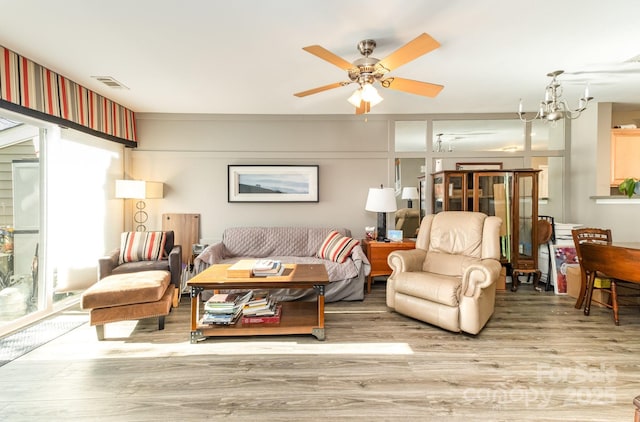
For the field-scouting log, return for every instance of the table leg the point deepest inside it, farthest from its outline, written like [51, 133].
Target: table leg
[195, 313]
[589, 294]
[319, 331]
[583, 290]
[614, 302]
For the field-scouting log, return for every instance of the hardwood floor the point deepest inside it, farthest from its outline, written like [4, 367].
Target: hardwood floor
[537, 359]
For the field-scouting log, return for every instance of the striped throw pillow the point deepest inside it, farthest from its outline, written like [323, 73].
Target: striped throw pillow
[336, 247]
[141, 246]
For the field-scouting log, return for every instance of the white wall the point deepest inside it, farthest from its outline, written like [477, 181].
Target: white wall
[589, 177]
[190, 155]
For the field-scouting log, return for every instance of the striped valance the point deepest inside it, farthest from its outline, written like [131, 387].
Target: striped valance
[40, 92]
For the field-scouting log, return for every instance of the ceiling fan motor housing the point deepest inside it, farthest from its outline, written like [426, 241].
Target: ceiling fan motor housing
[365, 47]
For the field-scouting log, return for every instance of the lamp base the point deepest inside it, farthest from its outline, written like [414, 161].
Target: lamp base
[409, 203]
[382, 227]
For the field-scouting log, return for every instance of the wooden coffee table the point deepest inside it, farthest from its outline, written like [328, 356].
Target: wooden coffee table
[297, 317]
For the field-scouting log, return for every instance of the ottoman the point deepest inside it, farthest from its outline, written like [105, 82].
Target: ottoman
[120, 297]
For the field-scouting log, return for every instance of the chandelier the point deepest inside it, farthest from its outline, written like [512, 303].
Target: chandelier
[438, 144]
[554, 107]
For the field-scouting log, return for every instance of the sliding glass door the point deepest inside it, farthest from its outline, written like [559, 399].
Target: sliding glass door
[20, 221]
[58, 215]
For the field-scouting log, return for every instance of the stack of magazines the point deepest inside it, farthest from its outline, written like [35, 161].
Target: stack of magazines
[260, 309]
[267, 267]
[225, 308]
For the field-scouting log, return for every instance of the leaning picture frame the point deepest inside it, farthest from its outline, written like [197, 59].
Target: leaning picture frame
[563, 256]
[273, 183]
[478, 166]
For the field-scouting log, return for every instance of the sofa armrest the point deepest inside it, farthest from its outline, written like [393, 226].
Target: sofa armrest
[107, 263]
[175, 265]
[406, 260]
[212, 254]
[480, 276]
[360, 260]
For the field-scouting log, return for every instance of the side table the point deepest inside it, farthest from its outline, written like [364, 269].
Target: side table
[377, 253]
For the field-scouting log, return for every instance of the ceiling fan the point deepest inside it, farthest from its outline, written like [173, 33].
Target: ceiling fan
[367, 70]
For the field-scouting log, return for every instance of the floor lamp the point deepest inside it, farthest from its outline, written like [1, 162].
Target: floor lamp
[381, 200]
[141, 190]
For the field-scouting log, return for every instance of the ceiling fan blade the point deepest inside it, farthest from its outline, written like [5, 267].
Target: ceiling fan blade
[410, 51]
[320, 89]
[411, 86]
[327, 55]
[363, 108]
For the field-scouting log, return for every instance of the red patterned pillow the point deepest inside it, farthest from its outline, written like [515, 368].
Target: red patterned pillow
[141, 246]
[337, 247]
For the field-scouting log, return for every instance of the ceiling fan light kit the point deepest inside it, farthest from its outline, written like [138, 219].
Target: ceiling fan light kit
[368, 70]
[554, 106]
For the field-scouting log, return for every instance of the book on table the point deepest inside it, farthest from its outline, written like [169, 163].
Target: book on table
[263, 319]
[264, 305]
[246, 268]
[241, 269]
[267, 267]
[225, 308]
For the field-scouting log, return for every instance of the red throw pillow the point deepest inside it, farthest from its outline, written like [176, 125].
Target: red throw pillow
[337, 247]
[141, 246]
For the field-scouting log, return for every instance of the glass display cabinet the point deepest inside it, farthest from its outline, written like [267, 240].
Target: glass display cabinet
[511, 195]
[448, 189]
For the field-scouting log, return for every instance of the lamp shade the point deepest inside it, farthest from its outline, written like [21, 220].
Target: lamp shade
[381, 200]
[139, 189]
[410, 193]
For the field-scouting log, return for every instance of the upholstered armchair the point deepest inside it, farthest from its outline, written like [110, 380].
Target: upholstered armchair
[449, 279]
[170, 260]
[408, 220]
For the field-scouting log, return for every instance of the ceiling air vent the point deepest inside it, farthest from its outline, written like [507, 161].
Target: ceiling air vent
[110, 82]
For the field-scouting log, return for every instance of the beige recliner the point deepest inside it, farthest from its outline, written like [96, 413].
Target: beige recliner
[408, 220]
[449, 279]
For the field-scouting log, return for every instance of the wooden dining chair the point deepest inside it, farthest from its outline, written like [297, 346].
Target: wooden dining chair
[587, 235]
[545, 231]
[619, 263]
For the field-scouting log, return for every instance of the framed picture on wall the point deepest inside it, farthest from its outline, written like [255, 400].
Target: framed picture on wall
[272, 183]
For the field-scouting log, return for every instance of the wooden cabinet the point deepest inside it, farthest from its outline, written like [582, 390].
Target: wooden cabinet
[625, 154]
[422, 193]
[450, 192]
[511, 195]
[377, 253]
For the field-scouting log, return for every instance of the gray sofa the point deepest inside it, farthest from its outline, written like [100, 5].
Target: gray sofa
[291, 245]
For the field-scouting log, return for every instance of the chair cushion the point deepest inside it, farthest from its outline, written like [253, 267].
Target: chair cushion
[428, 286]
[141, 246]
[137, 266]
[126, 289]
[458, 233]
[337, 247]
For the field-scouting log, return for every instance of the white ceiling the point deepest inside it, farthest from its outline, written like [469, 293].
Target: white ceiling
[245, 56]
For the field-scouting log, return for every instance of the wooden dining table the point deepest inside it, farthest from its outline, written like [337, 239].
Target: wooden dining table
[620, 261]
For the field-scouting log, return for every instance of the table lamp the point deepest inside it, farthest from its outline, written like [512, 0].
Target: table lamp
[410, 193]
[381, 200]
